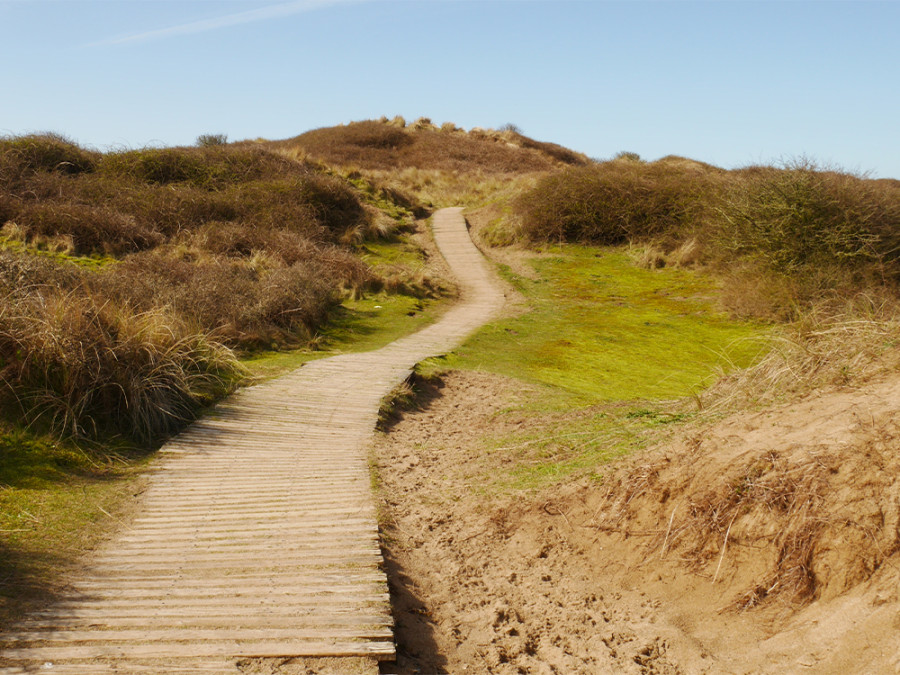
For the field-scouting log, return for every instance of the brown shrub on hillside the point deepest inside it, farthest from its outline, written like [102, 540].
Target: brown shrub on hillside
[616, 202]
[243, 302]
[212, 167]
[376, 145]
[89, 229]
[798, 218]
[21, 275]
[26, 155]
[234, 241]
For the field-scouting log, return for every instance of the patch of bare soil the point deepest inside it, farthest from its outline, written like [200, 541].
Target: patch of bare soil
[761, 543]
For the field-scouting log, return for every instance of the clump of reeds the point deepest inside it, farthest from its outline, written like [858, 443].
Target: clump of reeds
[85, 367]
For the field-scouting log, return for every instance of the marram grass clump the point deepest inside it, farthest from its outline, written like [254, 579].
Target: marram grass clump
[86, 369]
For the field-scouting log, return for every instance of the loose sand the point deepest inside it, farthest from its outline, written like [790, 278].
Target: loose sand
[781, 555]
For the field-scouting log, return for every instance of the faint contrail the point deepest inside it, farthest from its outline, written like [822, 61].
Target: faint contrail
[205, 25]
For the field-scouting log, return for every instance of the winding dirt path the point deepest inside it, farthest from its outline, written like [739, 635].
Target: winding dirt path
[257, 535]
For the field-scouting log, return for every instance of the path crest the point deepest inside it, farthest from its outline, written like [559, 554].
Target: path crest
[257, 534]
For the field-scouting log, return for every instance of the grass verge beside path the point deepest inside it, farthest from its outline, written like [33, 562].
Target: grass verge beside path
[59, 499]
[357, 326]
[607, 349]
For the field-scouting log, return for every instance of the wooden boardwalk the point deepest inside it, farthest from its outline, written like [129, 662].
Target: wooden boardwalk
[257, 535]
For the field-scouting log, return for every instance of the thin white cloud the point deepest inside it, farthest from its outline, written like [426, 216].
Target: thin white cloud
[204, 26]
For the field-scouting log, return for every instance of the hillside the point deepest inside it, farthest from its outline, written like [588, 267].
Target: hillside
[673, 453]
[395, 145]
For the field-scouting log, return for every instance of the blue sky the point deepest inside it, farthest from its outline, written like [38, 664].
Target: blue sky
[727, 82]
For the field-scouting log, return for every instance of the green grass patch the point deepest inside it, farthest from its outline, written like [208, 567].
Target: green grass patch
[610, 349]
[578, 442]
[602, 329]
[57, 500]
[91, 262]
[379, 254]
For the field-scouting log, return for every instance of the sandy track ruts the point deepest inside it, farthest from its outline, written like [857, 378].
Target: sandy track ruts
[257, 535]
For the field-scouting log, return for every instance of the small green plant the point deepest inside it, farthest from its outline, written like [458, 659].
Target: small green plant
[211, 140]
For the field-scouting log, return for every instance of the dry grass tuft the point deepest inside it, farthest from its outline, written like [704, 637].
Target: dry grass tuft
[786, 523]
[828, 346]
[84, 367]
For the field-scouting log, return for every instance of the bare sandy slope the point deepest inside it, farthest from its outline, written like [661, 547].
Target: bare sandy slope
[781, 555]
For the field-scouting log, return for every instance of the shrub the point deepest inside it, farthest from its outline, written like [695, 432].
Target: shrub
[22, 275]
[377, 145]
[86, 367]
[210, 167]
[211, 140]
[45, 152]
[241, 302]
[89, 229]
[375, 135]
[336, 205]
[800, 218]
[613, 202]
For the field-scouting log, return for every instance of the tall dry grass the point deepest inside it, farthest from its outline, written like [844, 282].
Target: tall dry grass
[830, 344]
[127, 277]
[84, 366]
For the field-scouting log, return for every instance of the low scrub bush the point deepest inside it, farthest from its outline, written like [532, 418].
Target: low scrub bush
[211, 140]
[799, 218]
[210, 167]
[614, 202]
[88, 229]
[21, 275]
[193, 251]
[43, 152]
[372, 145]
[375, 135]
[244, 302]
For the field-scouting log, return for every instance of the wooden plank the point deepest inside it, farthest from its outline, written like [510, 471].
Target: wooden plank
[215, 619]
[272, 648]
[298, 603]
[143, 634]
